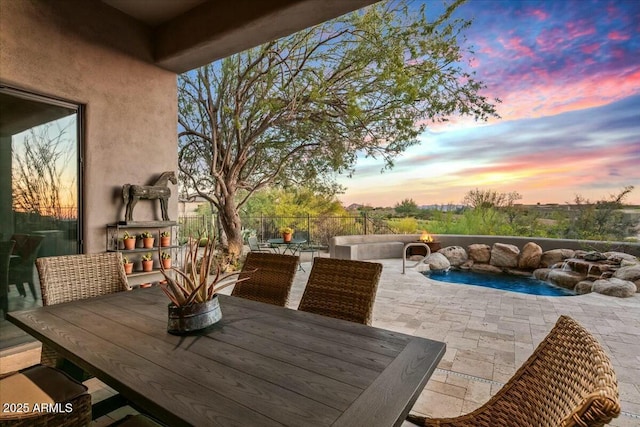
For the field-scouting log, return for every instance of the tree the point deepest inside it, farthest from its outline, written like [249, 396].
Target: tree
[602, 220]
[300, 109]
[407, 207]
[39, 183]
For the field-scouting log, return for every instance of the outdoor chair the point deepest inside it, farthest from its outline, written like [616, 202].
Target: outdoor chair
[74, 277]
[21, 269]
[6, 248]
[44, 385]
[344, 289]
[567, 381]
[254, 246]
[271, 281]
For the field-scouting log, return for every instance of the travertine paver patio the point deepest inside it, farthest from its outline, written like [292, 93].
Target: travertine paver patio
[490, 333]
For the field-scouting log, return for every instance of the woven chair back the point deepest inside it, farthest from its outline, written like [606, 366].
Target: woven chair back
[272, 280]
[74, 277]
[344, 289]
[568, 381]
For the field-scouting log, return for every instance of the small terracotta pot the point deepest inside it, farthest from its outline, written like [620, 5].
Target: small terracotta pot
[286, 237]
[165, 241]
[147, 242]
[129, 243]
[128, 268]
[147, 265]
[145, 285]
[166, 263]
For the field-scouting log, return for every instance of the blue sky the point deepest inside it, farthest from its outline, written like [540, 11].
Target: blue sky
[568, 75]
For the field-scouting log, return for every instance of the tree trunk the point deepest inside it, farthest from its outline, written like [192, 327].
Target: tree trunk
[232, 226]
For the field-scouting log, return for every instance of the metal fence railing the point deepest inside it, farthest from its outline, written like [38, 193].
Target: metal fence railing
[316, 229]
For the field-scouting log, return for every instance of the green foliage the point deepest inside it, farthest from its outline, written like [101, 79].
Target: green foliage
[602, 220]
[406, 225]
[407, 207]
[300, 109]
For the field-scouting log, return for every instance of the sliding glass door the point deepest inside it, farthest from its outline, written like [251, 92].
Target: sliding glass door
[40, 182]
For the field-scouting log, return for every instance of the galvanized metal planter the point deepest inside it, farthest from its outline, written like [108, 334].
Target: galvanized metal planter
[193, 317]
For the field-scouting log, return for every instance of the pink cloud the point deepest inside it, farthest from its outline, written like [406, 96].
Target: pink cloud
[590, 48]
[618, 36]
[579, 29]
[515, 44]
[540, 14]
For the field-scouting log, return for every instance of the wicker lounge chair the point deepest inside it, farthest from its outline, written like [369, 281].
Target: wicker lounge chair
[272, 280]
[73, 277]
[567, 381]
[344, 289]
[39, 385]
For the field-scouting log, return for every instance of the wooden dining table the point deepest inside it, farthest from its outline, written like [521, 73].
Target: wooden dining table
[261, 365]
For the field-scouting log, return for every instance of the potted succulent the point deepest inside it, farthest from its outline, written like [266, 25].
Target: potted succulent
[129, 241]
[165, 239]
[128, 265]
[147, 262]
[287, 233]
[193, 293]
[165, 260]
[147, 239]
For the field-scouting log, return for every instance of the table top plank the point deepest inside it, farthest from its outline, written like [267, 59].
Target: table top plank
[218, 379]
[135, 377]
[319, 387]
[260, 365]
[407, 374]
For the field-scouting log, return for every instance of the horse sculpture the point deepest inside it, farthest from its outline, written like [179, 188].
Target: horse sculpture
[159, 190]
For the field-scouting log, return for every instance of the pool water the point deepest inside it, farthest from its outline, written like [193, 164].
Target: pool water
[505, 282]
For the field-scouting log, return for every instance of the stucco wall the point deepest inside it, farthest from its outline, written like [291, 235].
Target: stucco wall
[96, 57]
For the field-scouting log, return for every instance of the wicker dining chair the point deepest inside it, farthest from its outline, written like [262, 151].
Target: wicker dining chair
[568, 381]
[272, 279]
[74, 277]
[344, 289]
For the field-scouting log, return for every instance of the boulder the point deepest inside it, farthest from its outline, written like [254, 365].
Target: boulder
[618, 257]
[630, 273]
[627, 263]
[485, 268]
[615, 287]
[455, 254]
[555, 256]
[542, 274]
[503, 255]
[583, 287]
[479, 253]
[530, 256]
[437, 262]
[594, 256]
[466, 265]
[637, 282]
[513, 272]
[565, 279]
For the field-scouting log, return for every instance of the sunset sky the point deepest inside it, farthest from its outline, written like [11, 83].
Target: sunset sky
[568, 75]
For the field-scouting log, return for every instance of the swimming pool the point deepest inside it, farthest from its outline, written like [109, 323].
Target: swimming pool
[505, 282]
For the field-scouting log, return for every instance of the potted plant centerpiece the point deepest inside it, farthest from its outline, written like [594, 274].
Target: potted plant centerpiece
[129, 241]
[147, 262]
[147, 240]
[193, 293]
[287, 233]
[165, 239]
[128, 265]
